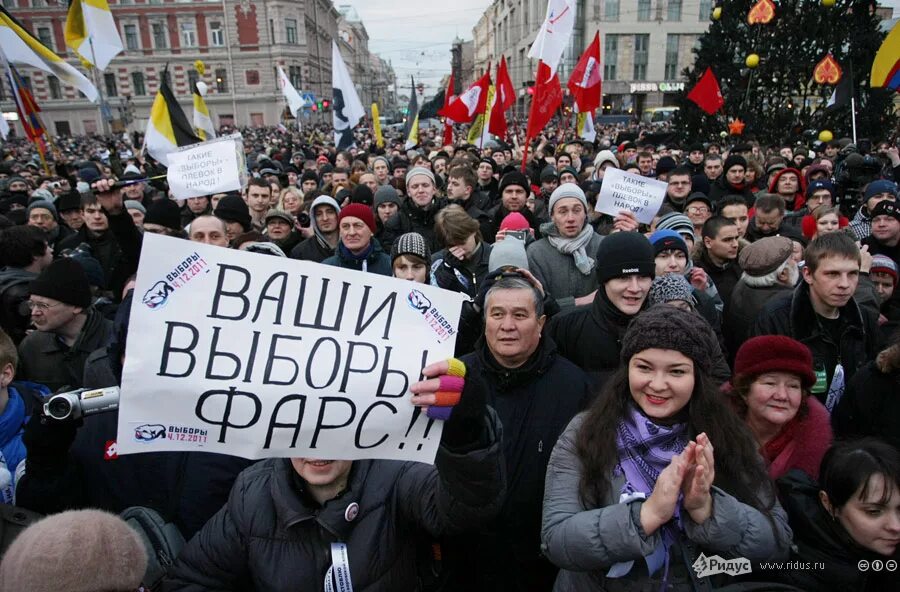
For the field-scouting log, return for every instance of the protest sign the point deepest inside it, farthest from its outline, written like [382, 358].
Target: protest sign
[624, 191]
[260, 356]
[206, 168]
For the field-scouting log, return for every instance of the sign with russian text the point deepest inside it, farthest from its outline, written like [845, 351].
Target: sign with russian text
[625, 191]
[217, 166]
[260, 356]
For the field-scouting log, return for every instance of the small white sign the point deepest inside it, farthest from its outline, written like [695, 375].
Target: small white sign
[624, 191]
[206, 168]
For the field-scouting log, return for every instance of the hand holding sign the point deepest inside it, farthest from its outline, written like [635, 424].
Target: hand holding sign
[624, 191]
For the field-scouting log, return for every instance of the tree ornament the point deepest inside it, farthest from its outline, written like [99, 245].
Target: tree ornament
[825, 135]
[717, 13]
[828, 3]
[736, 127]
[752, 60]
[762, 13]
[827, 71]
[723, 134]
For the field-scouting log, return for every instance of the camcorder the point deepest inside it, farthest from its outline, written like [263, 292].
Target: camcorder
[73, 405]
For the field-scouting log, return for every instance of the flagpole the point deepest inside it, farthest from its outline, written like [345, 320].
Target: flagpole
[852, 101]
[103, 123]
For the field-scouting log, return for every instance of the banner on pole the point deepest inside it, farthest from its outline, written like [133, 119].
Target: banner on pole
[258, 356]
[216, 166]
[625, 191]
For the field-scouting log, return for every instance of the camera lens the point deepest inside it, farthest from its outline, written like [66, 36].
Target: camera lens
[59, 408]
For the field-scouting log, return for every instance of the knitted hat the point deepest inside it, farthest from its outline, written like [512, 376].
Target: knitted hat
[360, 211]
[68, 201]
[77, 551]
[605, 156]
[309, 176]
[569, 169]
[386, 194]
[625, 253]
[490, 161]
[132, 204]
[818, 186]
[886, 208]
[42, 194]
[92, 268]
[665, 165]
[884, 264]
[382, 159]
[510, 252]
[88, 174]
[42, 205]
[668, 240]
[411, 243]
[774, 353]
[514, 221]
[734, 160]
[765, 255]
[667, 327]
[566, 190]
[677, 222]
[63, 280]
[361, 194]
[281, 215]
[698, 196]
[549, 174]
[416, 171]
[880, 186]
[515, 178]
[233, 208]
[669, 287]
[166, 212]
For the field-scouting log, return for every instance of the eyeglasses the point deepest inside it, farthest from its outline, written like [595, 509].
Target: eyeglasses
[41, 306]
[698, 210]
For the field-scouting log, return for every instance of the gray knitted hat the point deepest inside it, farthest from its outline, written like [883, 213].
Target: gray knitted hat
[386, 194]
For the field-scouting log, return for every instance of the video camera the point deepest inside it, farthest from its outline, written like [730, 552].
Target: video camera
[851, 176]
[73, 405]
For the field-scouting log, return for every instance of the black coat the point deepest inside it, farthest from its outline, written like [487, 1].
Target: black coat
[465, 277]
[271, 536]
[312, 249]
[15, 316]
[105, 249]
[412, 218]
[792, 314]
[742, 310]
[499, 213]
[725, 278]
[535, 403]
[870, 405]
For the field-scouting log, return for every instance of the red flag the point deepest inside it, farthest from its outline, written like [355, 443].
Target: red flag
[707, 93]
[585, 83]
[449, 97]
[470, 103]
[504, 98]
[546, 100]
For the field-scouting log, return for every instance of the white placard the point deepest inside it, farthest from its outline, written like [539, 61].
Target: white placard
[624, 191]
[260, 356]
[206, 168]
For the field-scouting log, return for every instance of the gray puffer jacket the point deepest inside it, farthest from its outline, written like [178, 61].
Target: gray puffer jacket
[586, 542]
[271, 537]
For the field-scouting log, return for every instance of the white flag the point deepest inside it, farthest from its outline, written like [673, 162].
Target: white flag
[293, 98]
[4, 127]
[347, 108]
[554, 33]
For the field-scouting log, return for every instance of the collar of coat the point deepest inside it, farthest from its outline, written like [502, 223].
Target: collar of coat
[803, 315]
[505, 379]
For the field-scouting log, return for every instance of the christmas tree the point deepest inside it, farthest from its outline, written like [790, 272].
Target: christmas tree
[778, 99]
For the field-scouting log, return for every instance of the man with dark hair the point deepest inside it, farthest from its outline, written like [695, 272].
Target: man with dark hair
[769, 219]
[514, 191]
[712, 167]
[679, 188]
[717, 255]
[24, 253]
[461, 183]
[487, 182]
[645, 163]
[258, 195]
[103, 245]
[734, 207]
[823, 314]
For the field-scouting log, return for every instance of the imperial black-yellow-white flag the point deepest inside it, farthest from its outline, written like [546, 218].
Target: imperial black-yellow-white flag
[168, 128]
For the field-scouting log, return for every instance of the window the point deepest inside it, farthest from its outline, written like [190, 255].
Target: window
[674, 11]
[45, 36]
[131, 37]
[611, 56]
[188, 34]
[643, 10]
[672, 57]
[612, 10]
[216, 34]
[55, 91]
[193, 79]
[290, 28]
[160, 41]
[705, 9]
[109, 81]
[641, 44]
[252, 77]
[295, 76]
[221, 80]
[137, 84]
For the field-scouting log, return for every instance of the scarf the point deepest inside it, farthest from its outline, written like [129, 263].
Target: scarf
[572, 246]
[362, 257]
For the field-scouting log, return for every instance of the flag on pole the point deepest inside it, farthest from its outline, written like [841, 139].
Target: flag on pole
[168, 128]
[584, 122]
[546, 100]
[26, 107]
[504, 98]
[203, 125]
[18, 46]
[293, 98]
[841, 95]
[553, 36]
[471, 102]
[449, 97]
[91, 32]
[707, 94]
[411, 130]
[886, 65]
[480, 131]
[376, 126]
[585, 83]
[347, 108]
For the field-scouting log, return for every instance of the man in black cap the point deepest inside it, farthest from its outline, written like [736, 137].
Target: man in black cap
[309, 182]
[514, 190]
[42, 214]
[731, 181]
[68, 327]
[696, 152]
[68, 205]
[134, 190]
[487, 182]
[233, 210]
[163, 217]
[885, 237]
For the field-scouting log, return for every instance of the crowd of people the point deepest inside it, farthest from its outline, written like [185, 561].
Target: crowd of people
[627, 400]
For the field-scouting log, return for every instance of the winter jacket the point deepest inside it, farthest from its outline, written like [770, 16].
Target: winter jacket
[861, 224]
[45, 359]
[787, 230]
[271, 536]
[465, 277]
[476, 207]
[743, 308]
[12, 450]
[821, 542]
[15, 316]
[792, 314]
[412, 218]
[534, 402]
[720, 188]
[725, 277]
[499, 213]
[870, 405]
[312, 249]
[586, 542]
[377, 262]
[104, 248]
[558, 274]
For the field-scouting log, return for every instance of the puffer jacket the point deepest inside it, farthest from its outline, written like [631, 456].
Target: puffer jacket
[272, 537]
[585, 542]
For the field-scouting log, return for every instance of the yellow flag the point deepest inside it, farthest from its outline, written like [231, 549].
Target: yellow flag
[376, 126]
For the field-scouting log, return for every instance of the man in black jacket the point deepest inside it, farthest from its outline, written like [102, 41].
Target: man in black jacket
[97, 235]
[24, 253]
[417, 212]
[822, 314]
[322, 244]
[718, 253]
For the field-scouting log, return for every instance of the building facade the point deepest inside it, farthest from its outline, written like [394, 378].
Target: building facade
[372, 76]
[241, 43]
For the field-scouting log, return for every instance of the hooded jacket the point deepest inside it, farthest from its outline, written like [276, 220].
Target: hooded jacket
[799, 197]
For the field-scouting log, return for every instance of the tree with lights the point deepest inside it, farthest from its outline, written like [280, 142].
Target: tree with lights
[766, 70]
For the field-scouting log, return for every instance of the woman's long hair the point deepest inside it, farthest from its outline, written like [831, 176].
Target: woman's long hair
[739, 469]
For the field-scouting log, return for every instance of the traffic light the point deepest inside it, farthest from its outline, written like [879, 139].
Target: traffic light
[325, 104]
[315, 106]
